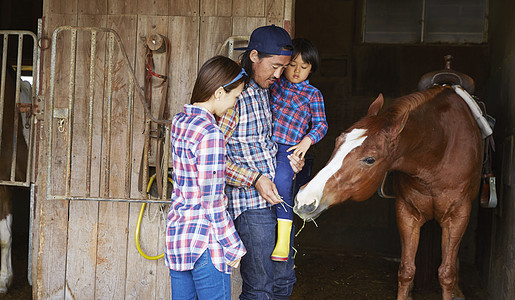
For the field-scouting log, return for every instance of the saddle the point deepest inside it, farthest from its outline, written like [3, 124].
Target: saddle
[464, 86]
[446, 76]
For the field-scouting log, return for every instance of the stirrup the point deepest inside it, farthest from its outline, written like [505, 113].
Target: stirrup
[489, 195]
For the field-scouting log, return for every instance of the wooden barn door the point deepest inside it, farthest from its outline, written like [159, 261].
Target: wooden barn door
[95, 130]
[97, 123]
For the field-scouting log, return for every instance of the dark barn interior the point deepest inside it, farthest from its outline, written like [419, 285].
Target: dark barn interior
[352, 251]
[353, 73]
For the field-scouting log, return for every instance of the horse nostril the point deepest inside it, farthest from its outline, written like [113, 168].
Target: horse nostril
[308, 208]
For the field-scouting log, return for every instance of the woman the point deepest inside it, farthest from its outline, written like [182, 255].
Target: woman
[202, 245]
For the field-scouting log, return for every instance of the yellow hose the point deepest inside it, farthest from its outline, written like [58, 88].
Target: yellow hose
[141, 210]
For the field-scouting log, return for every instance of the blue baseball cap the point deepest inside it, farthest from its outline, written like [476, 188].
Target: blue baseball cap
[270, 40]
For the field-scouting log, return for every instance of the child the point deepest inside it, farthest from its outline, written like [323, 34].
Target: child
[201, 242]
[295, 103]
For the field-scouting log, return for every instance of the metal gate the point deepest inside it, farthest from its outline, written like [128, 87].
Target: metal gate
[12, 66]
[12, 107]
[96, 129]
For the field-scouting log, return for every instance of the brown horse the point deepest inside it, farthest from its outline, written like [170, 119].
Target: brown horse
[432, 144]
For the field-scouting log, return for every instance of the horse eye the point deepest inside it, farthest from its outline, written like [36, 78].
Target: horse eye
[369, 160]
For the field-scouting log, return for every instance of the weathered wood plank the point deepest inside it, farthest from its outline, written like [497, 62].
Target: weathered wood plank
[183, 8]
[277, 22]
[220, 8]
[213, 32]
[289, 17]
[53, 7]
[147, 277]
[122, 7]
[184, 36]
[248, 8]
[142, 273]
[53, 215]
[274, 9]
[93, 7]
[112, 249]
[113, 216]
[83, 215]
[163, 288]
[154, 8]
[245, 26]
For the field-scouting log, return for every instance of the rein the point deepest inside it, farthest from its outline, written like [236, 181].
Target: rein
[380, 190]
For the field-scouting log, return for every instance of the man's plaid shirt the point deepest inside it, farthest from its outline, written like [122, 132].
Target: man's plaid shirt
[250, 149]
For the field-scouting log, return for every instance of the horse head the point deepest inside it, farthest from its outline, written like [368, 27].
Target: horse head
[362, 155]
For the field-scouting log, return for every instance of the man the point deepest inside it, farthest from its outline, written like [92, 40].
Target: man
[251, 167]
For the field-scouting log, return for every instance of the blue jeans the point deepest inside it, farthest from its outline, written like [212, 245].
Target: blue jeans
[284, 182]
[262, 277]
[203, 282]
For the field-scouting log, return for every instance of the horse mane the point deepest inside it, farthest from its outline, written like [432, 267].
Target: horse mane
[409, 103]
[402, 105]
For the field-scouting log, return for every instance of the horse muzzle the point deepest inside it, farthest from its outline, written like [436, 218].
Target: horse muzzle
[307, 211]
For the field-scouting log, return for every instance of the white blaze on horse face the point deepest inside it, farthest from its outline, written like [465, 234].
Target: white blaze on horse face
[315, 188]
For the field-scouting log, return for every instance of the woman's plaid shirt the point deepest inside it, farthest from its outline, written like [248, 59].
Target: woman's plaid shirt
[198, 219]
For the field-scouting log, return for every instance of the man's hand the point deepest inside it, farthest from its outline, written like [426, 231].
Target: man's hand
[268, 190]
[296, 163]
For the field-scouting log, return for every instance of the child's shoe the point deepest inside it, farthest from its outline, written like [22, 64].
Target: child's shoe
[282, 247]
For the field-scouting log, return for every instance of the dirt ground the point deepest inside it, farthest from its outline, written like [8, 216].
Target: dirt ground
[321, 274]
[331, 274]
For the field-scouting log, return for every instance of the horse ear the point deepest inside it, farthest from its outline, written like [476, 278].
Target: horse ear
[376, 106]
[399, 124]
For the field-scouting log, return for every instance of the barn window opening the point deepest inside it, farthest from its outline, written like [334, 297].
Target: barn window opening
[425, 21]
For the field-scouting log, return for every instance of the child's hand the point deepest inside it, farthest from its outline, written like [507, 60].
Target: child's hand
[301, 148]
[296, 163]
[235, 263]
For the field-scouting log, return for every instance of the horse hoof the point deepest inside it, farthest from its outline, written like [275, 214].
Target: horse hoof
[4, 285]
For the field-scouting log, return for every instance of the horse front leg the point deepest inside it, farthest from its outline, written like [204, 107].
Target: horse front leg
[452, 232]
[409, 230]
[6, 271]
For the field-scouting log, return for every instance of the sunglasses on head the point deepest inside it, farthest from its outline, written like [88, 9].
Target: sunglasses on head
[240, 75]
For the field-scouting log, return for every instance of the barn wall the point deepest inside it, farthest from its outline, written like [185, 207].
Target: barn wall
[496, 238]
[86, 249]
